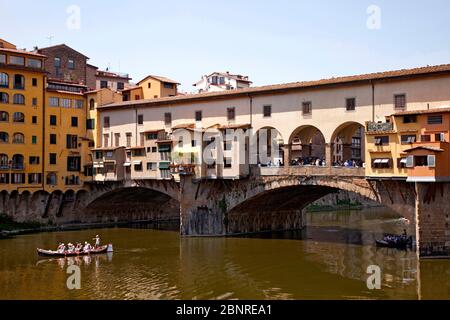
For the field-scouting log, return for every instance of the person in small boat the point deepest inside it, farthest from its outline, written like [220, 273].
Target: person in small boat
[97, 241]
[79, 247]
[61, 248]
[87, 247]
[70, 248]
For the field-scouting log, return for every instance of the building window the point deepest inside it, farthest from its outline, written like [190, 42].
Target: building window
[4, 116]
[4, 178]
[168, 85]
[34, 82]
[424, 161]
[19, 99]
[52, 158]
[74, 122]
[152, 136]
[382, 163]
[106, 140]
[51, 179]
[307, 107]
[425, 138]
[439, 137]
[151, 166]
[52, 120]
[91, 104]
[66, 103]
[35, 63]
[129, 136]
[149, 85]
[79, 104]
[2, 58]
[18, 61]
[34, 160]
[4, 97]
[4, 137]
[106, 123]
[74, 164]
[168, 118]
[4, 80]
[18, 178]
[18, 117]
[19, 82]
[103, 84]
[52, 138]
[4, 162]
[34, 139]
[435, 119]
[90, 124]
[140, 119]
[231, 114]
[34, 178]
[198, 116]
[267, 111]
[350, 104]
[18, 138]
[71, 141]
[71, 64]
[18, 162]
[408, 139]
[400, 101]
[34, 102]
[53, 102]
[117, 139]
[34, 119]
[57, 62]
[410, 119]
[120, 86]
[382, 141]
[138, 167]
[227, 163]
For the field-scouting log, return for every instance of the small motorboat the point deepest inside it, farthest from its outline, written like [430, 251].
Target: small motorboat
[396, 242]
[50, 253]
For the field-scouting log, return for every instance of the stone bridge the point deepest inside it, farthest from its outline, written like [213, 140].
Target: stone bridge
[269, 199]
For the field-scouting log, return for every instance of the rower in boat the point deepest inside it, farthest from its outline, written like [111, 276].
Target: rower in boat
[61, 248]
[79, 247]
[87, 247]
[97, 241]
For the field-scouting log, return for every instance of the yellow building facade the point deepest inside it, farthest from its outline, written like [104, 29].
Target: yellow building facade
[151, 87]
[22, 81]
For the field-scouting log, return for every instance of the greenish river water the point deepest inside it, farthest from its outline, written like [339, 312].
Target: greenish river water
[328, 260]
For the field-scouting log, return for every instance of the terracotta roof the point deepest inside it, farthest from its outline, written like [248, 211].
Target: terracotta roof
[30, 53]
[160, 78]
[135, 148]
[231, 126]
[184, 126]
[63, 46]
[106, 149]
[429, 148]
[380, 76]
[153, 131]
[427, 111]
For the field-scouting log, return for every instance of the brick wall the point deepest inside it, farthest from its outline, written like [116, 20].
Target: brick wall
[78, 74]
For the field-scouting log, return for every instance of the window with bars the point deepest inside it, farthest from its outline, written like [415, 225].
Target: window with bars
[267, 111]
[168, 118]
[400, 101]
[351, 104]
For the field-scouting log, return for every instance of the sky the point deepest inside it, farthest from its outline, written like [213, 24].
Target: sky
[270, 41]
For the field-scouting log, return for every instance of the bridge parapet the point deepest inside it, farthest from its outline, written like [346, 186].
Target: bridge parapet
[308, 171]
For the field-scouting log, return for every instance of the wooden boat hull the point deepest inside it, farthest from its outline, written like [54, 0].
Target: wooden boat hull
[49, 253]
[395, 245]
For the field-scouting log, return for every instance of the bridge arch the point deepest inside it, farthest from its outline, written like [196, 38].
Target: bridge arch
[305, 142]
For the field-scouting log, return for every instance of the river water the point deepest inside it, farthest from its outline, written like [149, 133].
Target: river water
[327, 260]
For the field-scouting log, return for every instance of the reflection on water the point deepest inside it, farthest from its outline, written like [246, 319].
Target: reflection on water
[328, 260]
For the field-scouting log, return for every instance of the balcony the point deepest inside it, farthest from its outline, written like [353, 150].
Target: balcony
[18, 166]
[377, 127]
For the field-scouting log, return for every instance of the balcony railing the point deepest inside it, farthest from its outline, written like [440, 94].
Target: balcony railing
[18, 166]
[379, 127]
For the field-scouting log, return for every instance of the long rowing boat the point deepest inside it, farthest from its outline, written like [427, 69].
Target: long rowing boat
[51, 253]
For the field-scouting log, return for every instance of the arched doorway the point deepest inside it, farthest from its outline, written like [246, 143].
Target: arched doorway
[306, 145]
[348, 144]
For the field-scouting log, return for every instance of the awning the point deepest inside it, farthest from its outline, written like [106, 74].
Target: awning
[403, 160]
[377, 161]
[164, 148]
[384, 161]
[164, 165]
[137, 162]
[100, 165]
[127, 164]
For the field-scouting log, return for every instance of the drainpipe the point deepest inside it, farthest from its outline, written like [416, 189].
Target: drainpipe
[136, 118]
[251, 110]
[44, 79]
[373, 100]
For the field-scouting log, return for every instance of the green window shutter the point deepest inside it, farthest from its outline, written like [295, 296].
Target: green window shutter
[164, 165]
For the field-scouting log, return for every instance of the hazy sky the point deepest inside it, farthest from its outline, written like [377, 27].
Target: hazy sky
[270, 41]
